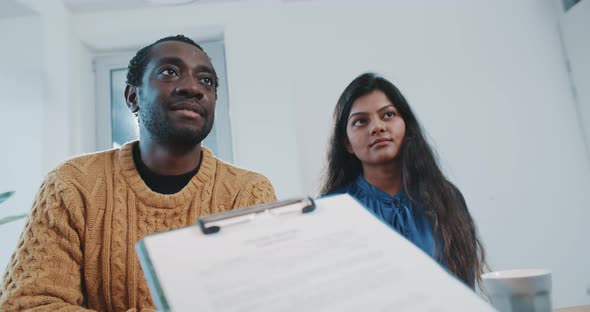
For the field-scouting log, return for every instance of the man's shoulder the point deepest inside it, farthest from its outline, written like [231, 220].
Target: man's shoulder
[229, 173]
[86, 166]
[238, 187]
[234, 179]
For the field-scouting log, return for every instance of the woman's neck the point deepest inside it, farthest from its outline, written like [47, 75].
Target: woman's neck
[387, 178]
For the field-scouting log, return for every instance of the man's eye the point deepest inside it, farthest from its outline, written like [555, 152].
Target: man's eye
[208, 81]
[168, 72]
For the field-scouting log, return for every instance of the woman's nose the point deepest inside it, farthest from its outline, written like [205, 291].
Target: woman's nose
[378, 127]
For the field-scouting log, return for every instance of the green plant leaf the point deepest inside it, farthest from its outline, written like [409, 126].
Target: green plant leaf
[4, 196]
[11, 219]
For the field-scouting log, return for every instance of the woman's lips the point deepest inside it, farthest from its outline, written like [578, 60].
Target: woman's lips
[379, 142]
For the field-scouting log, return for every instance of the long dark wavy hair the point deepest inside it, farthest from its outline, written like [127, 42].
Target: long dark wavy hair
[422, 179]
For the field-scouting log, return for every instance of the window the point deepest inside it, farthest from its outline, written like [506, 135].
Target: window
[117, 125]
[568, 4]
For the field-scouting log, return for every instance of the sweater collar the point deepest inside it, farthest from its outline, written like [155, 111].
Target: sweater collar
[201, 185]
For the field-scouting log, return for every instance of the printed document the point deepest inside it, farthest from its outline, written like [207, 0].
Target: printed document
[338, 257]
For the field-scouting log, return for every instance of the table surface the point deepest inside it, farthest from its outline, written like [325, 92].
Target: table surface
[584, 308]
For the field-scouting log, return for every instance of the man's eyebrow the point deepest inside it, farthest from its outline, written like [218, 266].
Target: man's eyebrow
[365, 113]
[169, 60]
[208, 69]
[179, 62]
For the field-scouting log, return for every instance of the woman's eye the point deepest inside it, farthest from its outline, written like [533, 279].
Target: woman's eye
[358, 122]
[208, 81]
[389, 115]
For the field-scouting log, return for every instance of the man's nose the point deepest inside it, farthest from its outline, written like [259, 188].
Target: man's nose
[190, 87]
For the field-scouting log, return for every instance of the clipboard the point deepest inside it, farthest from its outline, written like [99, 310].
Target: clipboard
[212, 224]
[329, 254]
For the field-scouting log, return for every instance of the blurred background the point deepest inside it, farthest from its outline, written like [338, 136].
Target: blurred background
[501, 87]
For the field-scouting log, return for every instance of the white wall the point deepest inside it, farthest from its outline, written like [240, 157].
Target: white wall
[44, 106]
[575, 24]
[69, 92]
[488, 82]
[487, 79]
[21, 121]
[258, 84]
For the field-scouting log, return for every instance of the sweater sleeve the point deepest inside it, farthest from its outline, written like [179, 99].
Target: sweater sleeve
[258, 190]
[44, 273]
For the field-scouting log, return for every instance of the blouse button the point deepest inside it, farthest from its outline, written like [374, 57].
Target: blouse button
[396, 202]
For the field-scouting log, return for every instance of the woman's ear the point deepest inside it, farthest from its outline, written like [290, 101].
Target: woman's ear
[131, 98]
[347, 145]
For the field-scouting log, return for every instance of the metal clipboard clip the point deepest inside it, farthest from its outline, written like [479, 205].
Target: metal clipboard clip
[213, 223]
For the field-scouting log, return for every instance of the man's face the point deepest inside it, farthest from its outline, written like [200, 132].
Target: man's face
[176, 99]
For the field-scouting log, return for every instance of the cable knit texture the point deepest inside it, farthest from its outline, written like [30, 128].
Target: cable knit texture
[77, 252]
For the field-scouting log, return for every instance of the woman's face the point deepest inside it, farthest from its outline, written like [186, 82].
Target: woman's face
[375, 130]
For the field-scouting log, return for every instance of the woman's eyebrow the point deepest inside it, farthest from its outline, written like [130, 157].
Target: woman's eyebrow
[365, 113]
[385, 107]
[357, 113]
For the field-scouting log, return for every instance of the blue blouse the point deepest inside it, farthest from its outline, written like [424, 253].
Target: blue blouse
[396, 211]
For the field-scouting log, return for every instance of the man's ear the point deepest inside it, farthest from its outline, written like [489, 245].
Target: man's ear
[131, 98]
[347, 145]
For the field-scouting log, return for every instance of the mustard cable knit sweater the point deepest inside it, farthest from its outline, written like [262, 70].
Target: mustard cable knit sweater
[77, 248]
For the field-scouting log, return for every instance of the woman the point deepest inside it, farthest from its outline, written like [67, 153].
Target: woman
[379, 155]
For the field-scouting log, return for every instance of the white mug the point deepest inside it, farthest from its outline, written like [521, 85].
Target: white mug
[526, 290]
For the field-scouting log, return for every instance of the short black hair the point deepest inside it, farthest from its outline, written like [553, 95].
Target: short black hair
[138, 63]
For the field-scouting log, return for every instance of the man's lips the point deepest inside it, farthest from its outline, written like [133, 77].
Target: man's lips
[379, 140]
[188, 113]
[189, 108]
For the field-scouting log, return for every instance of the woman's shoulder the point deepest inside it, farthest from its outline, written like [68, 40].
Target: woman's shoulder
[339, 190]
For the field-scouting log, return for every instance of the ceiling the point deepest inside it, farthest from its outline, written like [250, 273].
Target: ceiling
[87, 6]
[14, 8]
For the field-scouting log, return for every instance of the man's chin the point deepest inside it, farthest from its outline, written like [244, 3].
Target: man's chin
[188, 136]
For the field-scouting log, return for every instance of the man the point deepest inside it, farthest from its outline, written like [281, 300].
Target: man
[77, 249]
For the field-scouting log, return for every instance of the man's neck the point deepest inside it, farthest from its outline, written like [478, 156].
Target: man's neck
[168, 159]
[387, 178]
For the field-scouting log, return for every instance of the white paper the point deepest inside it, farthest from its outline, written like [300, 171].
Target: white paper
[336, 258]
